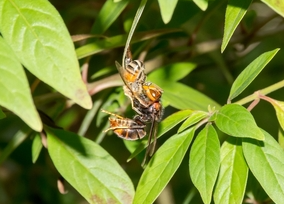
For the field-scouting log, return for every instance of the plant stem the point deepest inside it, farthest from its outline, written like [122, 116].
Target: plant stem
[264, 91]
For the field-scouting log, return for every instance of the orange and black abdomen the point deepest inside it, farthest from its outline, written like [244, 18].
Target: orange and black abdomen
[134, 72]
[130, 134]
[127, 129]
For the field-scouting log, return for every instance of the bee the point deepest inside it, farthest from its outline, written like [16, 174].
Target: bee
[126, 128]
[136, 87]
[145, 100]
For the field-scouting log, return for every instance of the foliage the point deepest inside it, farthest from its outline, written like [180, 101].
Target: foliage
[201, 53]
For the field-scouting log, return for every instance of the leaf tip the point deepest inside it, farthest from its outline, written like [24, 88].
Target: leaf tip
[223, 46]
[83, 99]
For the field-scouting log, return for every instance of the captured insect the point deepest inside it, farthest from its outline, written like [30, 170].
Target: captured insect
[145, 99]
[126, 128]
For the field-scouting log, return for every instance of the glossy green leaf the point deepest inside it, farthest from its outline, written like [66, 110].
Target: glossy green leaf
[266, 161]
[204, 162]
[167, 8]
[162, 167]
[237, 121]
[36, 147]
[40, 40]
[181, 96]
[118, 41]
[15, 93]
[193, 118]
[172, 120]
[202, 4]
[102, 180]
[173, 72]
[107, 15]
[17, 139]
[236, 9]
[233, 175]
[166, 125]
[277, 6]
[250, 73]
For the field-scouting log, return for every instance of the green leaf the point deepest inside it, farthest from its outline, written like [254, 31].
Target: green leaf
[202, 4]
[172, 120]
[236, 9]
[2, 114]
[237, 121]
[279, 108]
[102, 180]
[162, 167]
[167, 8]
[193, 118]
[36, 147]
[277, 6]
[17, 139]
[266, 161]
[281, 137]
[118, 41]
[14, 88]
[250, 73]
[102, 72]
[232, 179]
[204, 162]
[166, 125]
[107, 15]
[177, 94]
[173, 72]
[133, 27]
[40, 39]
[181, 96]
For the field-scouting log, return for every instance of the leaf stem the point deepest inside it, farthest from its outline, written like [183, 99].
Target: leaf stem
[264, 91]
[134, 24]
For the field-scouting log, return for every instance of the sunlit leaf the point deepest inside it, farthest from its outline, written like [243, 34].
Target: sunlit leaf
[102, 180]
[40, 40]
[166, 125]
[15, 93]
[193, 118]
[277, 6]
[172, 120]
[36, 147]
[17, 139]
[235, 11]
[266, 161]
[237, 121]
[202, 4]
[250, 73]
[107, 15]
[173, 72]
[204, 162]
[162, 167]
[167, 8]
[232, 179]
